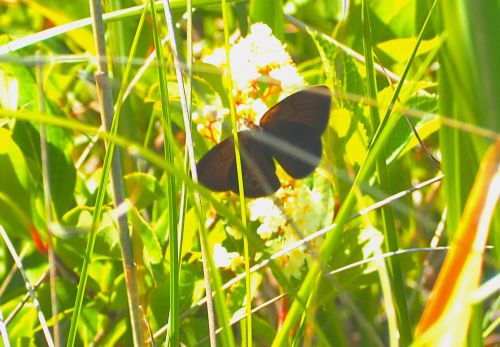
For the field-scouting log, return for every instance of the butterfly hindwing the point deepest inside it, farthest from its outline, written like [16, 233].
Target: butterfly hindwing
[217, 169]
[214, 169]
[259, 171]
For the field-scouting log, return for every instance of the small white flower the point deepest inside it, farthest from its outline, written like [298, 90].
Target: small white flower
[289, 77]
[260, 208]
[265, 231]
[195, 116]
[269, 49]
[260, 30]
[210, 112]
[223, 258]
[276, 216]
[296, 261]
[259, 108]
[234, 232]
[217, 58]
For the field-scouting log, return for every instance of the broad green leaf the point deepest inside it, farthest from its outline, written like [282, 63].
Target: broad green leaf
[15, 185]
[401, 48]
[142, 189]
[62, 173]
[152, 246]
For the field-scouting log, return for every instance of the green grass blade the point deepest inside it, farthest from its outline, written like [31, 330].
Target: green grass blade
[173, 336]
[247, 340]
[388, 224]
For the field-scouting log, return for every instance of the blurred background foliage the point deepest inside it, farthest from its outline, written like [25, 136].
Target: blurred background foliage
[451, 97]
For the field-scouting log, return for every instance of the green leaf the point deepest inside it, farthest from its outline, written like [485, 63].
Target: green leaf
[19, 83]
[403, 138]
[119, 295]
[193, 330]
[22, 326]
[158, 301]
[15, 185]
[62, 173]
[190, 233]
[400, 49]
[208, 80]
[152, 246]
[142, 189]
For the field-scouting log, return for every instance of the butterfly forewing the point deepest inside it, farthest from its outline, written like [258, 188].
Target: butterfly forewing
[294, 127]
[259, 171]
[309, 108]
[301, 158]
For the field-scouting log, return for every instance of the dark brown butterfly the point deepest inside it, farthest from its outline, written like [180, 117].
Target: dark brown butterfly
[290, 132]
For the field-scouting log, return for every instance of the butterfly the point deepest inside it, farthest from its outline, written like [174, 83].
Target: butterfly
[289, 132]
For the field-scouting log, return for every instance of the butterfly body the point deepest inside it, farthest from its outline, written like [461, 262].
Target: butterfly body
[290, 132]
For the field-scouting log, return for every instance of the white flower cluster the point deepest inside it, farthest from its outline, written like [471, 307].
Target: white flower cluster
[258, 56]
[264, 210]
[304, 208]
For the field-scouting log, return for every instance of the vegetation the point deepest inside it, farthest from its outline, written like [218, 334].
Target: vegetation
[394, 239]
